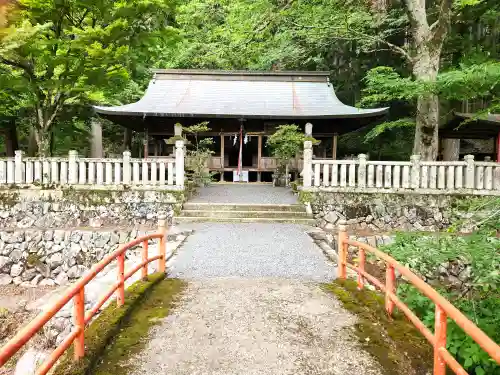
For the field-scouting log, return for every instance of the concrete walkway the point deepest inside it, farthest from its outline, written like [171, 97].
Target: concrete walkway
[244, 193]
[254, 306]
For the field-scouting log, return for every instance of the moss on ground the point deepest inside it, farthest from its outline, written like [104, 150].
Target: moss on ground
[118, 332]
[395, 343]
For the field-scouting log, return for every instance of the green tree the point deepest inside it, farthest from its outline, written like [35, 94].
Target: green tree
[286, 143]
[68, 51]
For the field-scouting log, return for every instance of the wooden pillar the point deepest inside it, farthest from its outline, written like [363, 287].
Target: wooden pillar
[498, 147]
[222, 157]
[259, 157]
[146, 144]
[334, 146]
[96, 140]
[156, 147]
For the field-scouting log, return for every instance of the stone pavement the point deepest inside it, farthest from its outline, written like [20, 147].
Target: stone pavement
[244, 193]
[254, 306]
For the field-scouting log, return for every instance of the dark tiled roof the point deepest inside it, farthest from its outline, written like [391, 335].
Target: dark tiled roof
[471, 126]
[188, 93]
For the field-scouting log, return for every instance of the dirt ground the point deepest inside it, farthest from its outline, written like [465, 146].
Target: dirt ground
[13, 315]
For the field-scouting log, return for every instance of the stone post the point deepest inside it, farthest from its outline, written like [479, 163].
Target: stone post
[72, 167]
[96, 140]
[415, 171]
[309, 129]
[18, 167]
[470, 172]
[178, 130]
[362, 171]
[126, 168]
[307, 172]
[179, 163]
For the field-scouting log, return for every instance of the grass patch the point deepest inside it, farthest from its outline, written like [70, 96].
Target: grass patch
[117, 332]
[398, 346]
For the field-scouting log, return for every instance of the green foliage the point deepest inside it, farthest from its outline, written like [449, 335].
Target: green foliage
[108, 324]
[198, 155]
[483, 214]
[287, 142]
[478, 297]
[75, 53]
[388, 126]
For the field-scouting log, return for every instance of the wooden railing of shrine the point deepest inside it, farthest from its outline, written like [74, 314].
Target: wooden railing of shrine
[77, 293]
[444, 309]
[74, 170]
[426, 177]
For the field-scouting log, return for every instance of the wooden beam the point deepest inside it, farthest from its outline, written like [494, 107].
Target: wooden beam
[334, 146]
[146, 144]
[222, 156]
[259, 151]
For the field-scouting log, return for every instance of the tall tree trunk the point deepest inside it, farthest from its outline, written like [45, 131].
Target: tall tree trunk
[42, 137]
[11, 142]
[32, 144]
[127, 140]
[428, 42]
[451, 149]
[425, 68]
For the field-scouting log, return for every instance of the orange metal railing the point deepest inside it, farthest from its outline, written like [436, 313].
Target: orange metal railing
[444, 309]
[77, 293]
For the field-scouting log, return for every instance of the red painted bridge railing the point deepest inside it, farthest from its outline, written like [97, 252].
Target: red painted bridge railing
[77, 293]
[444, 309]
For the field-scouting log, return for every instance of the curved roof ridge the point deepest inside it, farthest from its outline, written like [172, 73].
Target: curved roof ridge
[205, 95]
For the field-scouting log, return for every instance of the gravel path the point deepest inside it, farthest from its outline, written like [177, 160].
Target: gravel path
[236, 326]
[253, 306]
[245, 193]
[251, 250]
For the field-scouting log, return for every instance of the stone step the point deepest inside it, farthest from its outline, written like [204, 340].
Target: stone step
[191, 219]
[243, 207]
[245, 214]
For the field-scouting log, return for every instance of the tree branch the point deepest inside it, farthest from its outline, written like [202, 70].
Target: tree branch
[440, 27]
[401, 51]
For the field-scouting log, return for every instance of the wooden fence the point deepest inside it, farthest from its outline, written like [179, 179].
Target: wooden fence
[74, 170]
[468, 176]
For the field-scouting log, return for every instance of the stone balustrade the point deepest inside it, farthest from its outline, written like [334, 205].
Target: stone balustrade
[74, 170]
[426, 177]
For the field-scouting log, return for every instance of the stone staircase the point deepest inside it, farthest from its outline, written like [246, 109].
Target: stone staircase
[245, 213]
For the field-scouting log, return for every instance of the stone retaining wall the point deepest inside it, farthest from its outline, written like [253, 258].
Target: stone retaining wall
[383, 212]
[70, 208]
[55, 257]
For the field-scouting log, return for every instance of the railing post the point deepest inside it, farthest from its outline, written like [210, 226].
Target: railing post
[179, 163]
[163, 242]
[362, 257]
[126, 168]
[415, 171]
[306, 173]
[144, 270]
[440, 337]
[470, 170]
[18, 167]
[342, 249]
[120, 292]
[362, 171]
[72, 167]
[390, 287]
[79, 321]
